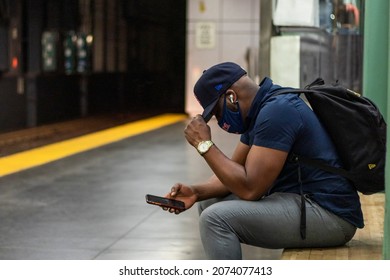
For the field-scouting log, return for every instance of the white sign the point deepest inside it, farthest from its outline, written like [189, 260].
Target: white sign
[297, 13]
[205, 33]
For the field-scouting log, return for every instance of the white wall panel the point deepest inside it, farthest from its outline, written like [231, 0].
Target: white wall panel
[237, 32]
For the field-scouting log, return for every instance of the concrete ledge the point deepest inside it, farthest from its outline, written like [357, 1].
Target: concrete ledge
[366, 244]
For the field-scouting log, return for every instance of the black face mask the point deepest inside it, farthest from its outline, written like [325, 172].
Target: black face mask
[231, 121]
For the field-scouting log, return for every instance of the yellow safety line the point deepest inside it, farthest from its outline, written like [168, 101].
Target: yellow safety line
[38, 156]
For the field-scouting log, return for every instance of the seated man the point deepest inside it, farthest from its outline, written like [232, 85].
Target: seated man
[256, 197]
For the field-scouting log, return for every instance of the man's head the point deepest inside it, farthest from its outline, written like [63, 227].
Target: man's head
[214, 82]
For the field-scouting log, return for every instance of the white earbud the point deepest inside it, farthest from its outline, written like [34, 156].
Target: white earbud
[231, 98]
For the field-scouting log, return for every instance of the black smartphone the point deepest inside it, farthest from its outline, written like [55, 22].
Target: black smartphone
[165, 202]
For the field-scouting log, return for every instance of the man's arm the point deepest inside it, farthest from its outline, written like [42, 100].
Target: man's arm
[250, 172]
[214, 187]
[250, 179]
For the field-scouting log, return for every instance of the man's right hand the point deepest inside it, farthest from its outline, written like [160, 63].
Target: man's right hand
[183, 193]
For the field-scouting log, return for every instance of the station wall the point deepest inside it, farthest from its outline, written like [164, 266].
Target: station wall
[218, 31]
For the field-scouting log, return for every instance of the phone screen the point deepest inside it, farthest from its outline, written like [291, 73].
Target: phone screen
[165, 202]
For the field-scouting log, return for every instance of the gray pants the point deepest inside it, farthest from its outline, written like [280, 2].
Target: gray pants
[272, 222]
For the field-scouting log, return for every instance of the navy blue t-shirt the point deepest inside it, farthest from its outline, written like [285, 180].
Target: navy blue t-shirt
[286, 123]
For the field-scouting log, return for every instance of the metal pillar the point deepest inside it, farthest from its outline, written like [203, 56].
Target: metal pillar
[375, 58]
[265, 38]
[386, 238]
[376, 78]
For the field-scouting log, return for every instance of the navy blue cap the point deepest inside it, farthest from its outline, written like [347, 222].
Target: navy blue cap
[214, 82]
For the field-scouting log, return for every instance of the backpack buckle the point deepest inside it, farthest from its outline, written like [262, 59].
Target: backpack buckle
[293, 158]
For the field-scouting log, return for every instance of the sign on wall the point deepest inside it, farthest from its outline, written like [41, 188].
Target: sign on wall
[205, 33]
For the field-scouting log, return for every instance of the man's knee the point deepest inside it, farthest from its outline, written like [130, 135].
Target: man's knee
[210, 218]
[201, 206]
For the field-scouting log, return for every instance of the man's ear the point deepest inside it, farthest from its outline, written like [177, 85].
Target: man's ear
[232, 96]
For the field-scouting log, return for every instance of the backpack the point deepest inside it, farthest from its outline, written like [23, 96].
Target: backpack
[357, 129]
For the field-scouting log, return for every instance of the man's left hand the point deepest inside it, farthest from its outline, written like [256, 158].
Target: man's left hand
[197, 130]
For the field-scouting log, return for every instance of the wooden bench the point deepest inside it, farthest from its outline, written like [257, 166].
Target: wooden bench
[365, 245]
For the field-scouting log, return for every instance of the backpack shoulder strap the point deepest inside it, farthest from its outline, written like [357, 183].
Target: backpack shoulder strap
[320, 164]
[307, 89]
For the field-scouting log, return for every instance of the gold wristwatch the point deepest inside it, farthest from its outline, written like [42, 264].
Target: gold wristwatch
[204, 146]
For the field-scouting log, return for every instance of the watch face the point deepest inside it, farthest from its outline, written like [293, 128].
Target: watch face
[203, 147]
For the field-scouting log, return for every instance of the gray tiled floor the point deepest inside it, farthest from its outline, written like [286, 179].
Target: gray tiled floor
[91, 205]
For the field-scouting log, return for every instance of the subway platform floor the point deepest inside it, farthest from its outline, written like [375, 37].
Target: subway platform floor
[91, 205]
